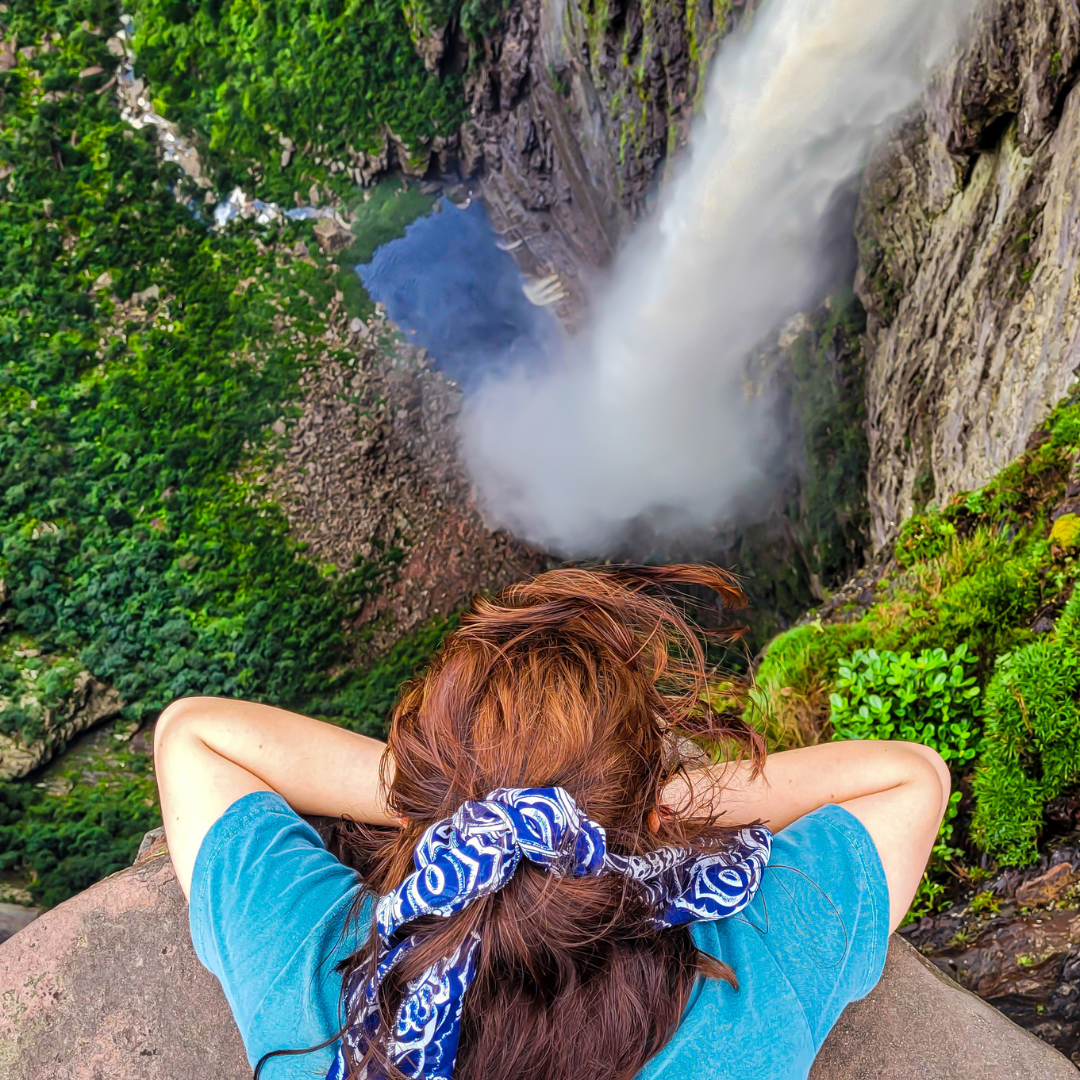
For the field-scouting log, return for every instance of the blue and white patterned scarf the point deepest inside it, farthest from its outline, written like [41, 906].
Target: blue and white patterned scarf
[474, 854]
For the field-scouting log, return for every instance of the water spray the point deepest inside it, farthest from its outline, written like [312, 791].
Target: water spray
[646, 415]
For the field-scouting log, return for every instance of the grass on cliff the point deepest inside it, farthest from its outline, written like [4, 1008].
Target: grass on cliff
[144, 359]
[961, 639]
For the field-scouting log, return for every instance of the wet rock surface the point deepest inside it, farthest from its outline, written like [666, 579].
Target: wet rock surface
[1015, 941]
[575, 109]
[107, 987]
[969, 249]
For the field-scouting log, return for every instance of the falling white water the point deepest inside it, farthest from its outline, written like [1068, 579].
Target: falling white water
[647, 416]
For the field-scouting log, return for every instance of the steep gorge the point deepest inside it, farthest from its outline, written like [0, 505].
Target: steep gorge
[969, 239]
[968, 242]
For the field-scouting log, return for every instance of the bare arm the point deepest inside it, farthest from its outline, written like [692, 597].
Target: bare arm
[898, 790]
[208, 752]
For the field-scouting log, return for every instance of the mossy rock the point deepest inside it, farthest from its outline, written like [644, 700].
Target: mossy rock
[1066, 532]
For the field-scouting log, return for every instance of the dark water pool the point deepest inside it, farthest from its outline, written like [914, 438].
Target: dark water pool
[448, 286]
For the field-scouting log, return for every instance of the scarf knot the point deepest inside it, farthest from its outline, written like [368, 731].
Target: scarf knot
[474, 853]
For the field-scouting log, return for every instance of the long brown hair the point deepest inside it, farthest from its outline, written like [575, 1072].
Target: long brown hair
[584, 679]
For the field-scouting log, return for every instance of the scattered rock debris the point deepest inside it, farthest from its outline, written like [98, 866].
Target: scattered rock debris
[372, 465]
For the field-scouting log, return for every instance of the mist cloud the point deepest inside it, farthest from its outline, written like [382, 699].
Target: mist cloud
[646, 415]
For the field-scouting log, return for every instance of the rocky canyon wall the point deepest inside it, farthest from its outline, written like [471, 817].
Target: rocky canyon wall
[575, 108]
[969, 240]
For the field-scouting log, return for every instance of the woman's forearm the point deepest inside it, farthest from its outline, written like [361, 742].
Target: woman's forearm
[209, 752]
[795, 782]
[899, 791]
[319, 768]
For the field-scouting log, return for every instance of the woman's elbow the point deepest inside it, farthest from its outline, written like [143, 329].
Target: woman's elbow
[174, 718]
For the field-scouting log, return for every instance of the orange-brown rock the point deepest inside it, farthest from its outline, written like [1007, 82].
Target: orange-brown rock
[1048, 888]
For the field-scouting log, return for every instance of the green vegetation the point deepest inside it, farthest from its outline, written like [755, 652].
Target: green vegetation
[64, 842]
[928, 699]
[1031, 751]
[145, 359]
[130, 535]
[362, 700]
[828, 377]
[32, 686]
[334, 76]
[951, 654]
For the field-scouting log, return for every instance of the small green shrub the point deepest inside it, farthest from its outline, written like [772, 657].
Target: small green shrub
[927, 698]
[923, 536]
[1031, 751]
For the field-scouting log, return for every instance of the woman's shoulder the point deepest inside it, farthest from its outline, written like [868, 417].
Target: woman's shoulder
[269, 910]
[813, 940]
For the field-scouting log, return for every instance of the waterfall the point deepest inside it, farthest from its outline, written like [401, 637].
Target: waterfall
[646, 415]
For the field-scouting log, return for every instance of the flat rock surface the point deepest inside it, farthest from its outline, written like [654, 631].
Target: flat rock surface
[917, 1024]
[107, 987]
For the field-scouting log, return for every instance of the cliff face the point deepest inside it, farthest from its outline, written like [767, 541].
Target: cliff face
[575, 107]
[969, 238]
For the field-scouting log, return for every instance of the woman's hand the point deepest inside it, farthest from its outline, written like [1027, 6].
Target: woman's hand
[208, 752]
[898, 790]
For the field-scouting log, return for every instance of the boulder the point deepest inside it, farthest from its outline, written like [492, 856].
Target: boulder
[107, 987]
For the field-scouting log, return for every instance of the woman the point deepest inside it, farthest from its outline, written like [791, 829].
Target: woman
[554, 882]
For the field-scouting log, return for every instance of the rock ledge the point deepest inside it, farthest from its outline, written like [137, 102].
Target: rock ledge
[107, 987]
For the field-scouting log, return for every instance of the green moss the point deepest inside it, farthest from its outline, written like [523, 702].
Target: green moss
[1032, 745]
[1066, 532]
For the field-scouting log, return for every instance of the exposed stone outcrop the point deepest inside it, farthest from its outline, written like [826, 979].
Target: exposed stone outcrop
[372, 465]
[1015, 940]
[969, 233]
[107, 987]
[88, 703]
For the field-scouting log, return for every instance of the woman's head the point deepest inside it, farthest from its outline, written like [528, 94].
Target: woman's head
[582, 680]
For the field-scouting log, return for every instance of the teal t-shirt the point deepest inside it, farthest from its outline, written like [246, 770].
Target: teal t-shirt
[268, 918]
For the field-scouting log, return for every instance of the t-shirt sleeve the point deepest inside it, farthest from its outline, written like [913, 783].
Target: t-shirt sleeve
[267, 909]
[829, 924]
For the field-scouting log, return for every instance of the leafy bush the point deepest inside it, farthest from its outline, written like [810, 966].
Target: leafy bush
[1032, 742]
[928, 698]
